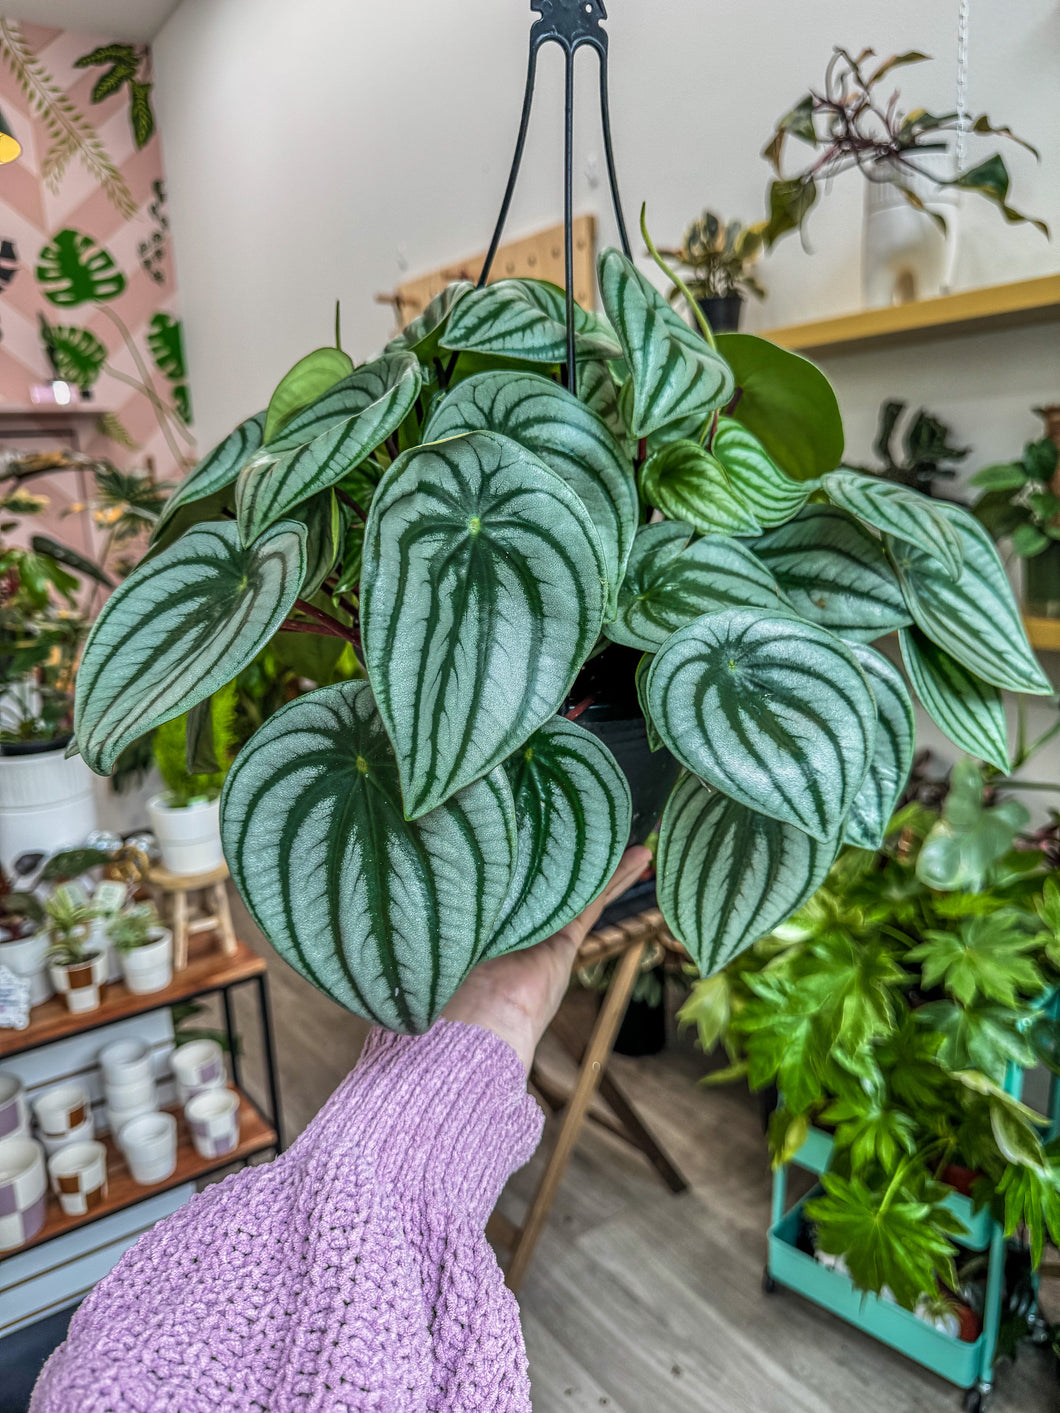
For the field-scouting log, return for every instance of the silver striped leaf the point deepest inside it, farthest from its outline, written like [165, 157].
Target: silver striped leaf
[769, 493]
[320, 445]
[669, 582]
[655, 741]
[674, 371]
[573, 814]
[968, 710]
[898, 511]
[383, 914]
[728, 875]
[835, 573]
[569, 438]
[326, 520]
[526, 319]
[218, 469]
[598, 389]
[482, 591]
[974, 618]
[182, 625]
[770, 710]
[871, 811]
[686, 482]
[309, 379]
[423, 335]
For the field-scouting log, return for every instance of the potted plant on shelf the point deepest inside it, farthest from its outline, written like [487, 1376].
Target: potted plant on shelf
[911, 181]
[185, 817]
[144, 946]
[1019, 503]
[76, 964]
[518, 574]
[24, 940]
[716, 258]
[925, 456]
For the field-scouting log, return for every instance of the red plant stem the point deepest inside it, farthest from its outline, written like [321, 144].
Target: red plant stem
[642, 451]
[347, 499]
[576, 711]
[328, 624]
[291, 626]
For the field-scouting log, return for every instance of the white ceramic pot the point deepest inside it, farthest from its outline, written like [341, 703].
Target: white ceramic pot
[25, 957]
[83, 1133]
[137, 1095]
[189, 838]
[198, 1065]
[47, 803]
[14, 1116]
[80, 983]
[125, 1061]
[118, 1118]
[150, 967]
[149, 1144]
[62, 1109]
[905, 256]
[213, 1117]
[23, 1188]
[79, 1177]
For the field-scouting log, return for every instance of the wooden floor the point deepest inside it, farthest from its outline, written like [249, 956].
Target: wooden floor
[642, 1302]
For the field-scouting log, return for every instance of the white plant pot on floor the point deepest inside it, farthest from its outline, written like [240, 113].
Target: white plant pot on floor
[80, 983]
[47, 803]
[189, 838]
[150, 967]
[25, 956]
[906, 257]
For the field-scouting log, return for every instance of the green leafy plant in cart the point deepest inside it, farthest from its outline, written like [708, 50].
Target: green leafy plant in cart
[466, 534]
[887, 1010]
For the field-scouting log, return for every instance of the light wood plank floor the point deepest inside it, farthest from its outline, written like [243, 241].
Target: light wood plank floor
[639, 1301]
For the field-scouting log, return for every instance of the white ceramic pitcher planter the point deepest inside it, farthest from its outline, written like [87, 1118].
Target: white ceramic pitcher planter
[906, 257]
[189, 837]
[47, 802]
[150, 967]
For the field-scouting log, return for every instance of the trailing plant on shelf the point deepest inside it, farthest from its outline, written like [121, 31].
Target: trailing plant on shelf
[887, 1010]
[925, 454]
[474, 540]
[851, 124]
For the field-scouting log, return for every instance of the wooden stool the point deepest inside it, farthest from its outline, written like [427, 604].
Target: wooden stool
[175, 889]
[627, 941]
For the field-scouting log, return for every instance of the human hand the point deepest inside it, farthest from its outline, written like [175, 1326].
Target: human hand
[517, 995]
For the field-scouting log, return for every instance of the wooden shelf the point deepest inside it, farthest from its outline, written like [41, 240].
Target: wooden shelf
[1044, 633]
[255, 1136]
[1006, 306]
[208, 969]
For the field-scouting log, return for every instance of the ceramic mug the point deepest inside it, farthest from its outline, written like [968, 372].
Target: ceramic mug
[213, 1117]
[61, 1109]
[198, 1065]
[149, 1144]
[23, 1189]
[14, 1119]
[126, 1062]
[79, 1177]
[83, 1133]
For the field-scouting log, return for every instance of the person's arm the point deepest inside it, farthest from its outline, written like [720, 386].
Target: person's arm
[354, 1268]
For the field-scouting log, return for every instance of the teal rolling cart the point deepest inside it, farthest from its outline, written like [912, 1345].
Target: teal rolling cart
[969, 1366]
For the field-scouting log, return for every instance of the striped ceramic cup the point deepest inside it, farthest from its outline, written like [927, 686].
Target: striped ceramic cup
[23, 1189]
[14, 1118]
[79, 1177]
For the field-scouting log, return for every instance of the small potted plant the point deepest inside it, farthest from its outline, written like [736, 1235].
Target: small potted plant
[185, 817]
[144, 946]
[78, 968]
[717, 256]
[926, 455]
[1020, 503]
[24, 940]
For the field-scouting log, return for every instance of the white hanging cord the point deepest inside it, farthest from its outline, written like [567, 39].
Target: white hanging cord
[963, 16]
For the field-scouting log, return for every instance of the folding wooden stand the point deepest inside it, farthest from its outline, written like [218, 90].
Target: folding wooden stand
[627, 941]
[173, 892]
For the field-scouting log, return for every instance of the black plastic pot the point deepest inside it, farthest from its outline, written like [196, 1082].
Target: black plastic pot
[34, 748]
[723, 311]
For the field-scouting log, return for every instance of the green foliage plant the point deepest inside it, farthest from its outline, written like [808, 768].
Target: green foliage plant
[133, 927]
[921, 455]
[187, 782]
[1018, 500]
[465, 533]
[888, 1009]
[68, 917]
[716, 258]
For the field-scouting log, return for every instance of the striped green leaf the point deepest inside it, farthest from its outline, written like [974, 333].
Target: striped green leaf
[968, 710]
[899, 511]
[893, 755]
[974, 618]
[483, 590]
[598, 388]
[573, 814]
[566, 435]
[526, 319]
[655, 741]
[181, 626]
[326, 521]
[384, 915]
[320, 445]
[423, 335]
[669, 582]
[218, 469]
[771, 710]
[309, 379]
[686, 482]
[771, 496]
[728, 875]
[675, 372]
[835, 573]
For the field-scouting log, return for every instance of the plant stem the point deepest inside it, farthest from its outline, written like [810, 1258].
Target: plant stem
[347, 499]
[327, 623]
[700, 317]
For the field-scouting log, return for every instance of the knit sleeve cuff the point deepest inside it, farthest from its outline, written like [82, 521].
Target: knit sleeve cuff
[443, 1116]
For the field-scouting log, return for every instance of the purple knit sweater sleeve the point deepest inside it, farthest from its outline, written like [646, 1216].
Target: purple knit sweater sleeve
[351, 1274]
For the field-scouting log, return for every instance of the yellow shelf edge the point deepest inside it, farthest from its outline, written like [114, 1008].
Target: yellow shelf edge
[1043, 633]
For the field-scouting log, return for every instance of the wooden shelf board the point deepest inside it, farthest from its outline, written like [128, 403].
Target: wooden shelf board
[1044, 633]
[255, 1136]
[208, 969]
[993, 307]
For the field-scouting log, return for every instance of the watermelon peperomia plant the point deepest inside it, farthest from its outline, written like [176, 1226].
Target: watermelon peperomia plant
[469, 534]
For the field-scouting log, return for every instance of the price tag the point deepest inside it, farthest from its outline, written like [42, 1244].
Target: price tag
[14, 1000]
[109, 898]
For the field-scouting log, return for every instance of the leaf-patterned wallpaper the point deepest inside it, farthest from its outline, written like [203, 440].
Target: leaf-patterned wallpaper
[87, 289]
